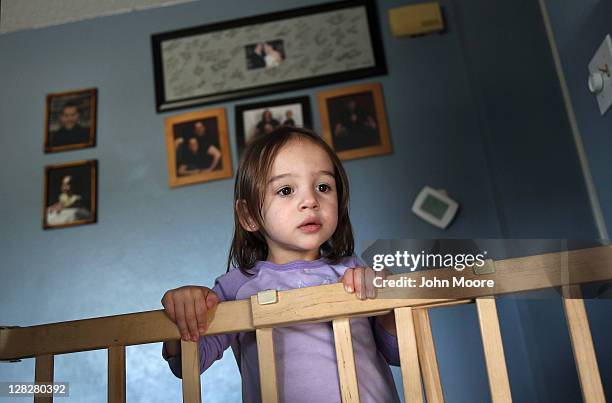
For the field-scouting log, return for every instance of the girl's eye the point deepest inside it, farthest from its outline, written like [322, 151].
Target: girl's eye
[323, 188]
[285, 191]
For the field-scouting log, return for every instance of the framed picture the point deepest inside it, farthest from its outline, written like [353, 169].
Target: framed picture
[258, 119]
[198, 147]
[70, 120]
[267, 53]
[354, 121]
[70, 195]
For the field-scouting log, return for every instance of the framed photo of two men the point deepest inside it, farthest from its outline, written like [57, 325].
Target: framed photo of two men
[198, 147]
[354, 122]
[70, 120]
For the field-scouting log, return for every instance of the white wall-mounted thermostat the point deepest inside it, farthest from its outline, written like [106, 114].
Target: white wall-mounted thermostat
[435, 207]
[600, 75]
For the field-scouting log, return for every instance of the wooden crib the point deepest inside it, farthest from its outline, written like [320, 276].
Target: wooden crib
[270, 309]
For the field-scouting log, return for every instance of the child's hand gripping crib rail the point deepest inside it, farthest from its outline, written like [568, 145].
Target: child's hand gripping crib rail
[331, 302]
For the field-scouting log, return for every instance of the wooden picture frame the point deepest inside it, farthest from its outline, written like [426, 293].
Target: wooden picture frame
[264, 54]
[70, 120]
[70, 194]
[354, 122]
[255, 119]
[198, 147]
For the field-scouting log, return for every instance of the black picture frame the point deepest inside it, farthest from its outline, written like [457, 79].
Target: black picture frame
[212, 63]
[246, 116]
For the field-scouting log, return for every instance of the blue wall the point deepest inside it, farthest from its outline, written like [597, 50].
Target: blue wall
[464, 115]
[579, 29]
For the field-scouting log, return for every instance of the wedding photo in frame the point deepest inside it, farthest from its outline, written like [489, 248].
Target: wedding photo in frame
[198, 147]
[70, 120]
[264, 54]
[354, 122]
[70, 194]
[258, 119]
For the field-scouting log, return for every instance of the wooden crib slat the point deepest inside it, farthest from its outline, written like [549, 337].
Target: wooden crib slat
[582, 346]
[346, 360]
[409, 357]
[427, 357]
[116, 374]
[493, 350]
[190, 365]
[267, 365]
[43, 372]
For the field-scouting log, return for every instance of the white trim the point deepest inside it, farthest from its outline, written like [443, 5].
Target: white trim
[18, 15]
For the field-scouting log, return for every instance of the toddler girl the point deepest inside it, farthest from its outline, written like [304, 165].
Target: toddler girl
[292, 230]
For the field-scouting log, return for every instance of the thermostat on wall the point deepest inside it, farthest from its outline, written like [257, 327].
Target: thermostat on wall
[435, 207]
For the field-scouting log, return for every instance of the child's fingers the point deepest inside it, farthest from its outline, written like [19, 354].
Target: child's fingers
[369, 275]
[212, 299]
[179, 310]
[190, 318]
[187, 307]
[347, 279]
[200, 312]
[359, 280]
[168, 305]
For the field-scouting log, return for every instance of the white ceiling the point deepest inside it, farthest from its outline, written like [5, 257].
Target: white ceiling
[16, 15]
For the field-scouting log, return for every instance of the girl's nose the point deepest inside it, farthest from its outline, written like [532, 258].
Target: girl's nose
[309, 202]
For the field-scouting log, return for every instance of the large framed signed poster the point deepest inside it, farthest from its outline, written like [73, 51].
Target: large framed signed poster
[269, 53]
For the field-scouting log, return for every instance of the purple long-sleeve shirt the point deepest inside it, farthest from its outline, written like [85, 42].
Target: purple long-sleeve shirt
[306, 367]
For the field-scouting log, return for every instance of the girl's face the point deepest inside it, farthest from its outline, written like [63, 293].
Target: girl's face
[300, 210]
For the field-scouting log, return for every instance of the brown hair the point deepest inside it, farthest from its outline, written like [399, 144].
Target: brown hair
[249, 247]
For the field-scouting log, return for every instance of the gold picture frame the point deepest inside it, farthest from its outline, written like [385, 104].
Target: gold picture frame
[198, 148]
[70, 120]
[354, 122]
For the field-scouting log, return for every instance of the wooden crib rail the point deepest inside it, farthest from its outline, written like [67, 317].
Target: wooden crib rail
[332, 303]
[531, 273]
[119, 330]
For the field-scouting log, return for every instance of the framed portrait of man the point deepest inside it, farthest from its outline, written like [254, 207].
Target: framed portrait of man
[258, 119]
[70, 194]
[198, 147]
[354, 122]
[70, 120]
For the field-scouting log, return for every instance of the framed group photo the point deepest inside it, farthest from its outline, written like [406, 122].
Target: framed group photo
[354, 122]
[70, 120]
[70, 194]
[198, 147]
[258, 119]
[286, 50]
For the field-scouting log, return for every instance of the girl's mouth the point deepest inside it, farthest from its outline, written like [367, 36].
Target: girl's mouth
[310, 225]
[310, 228]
